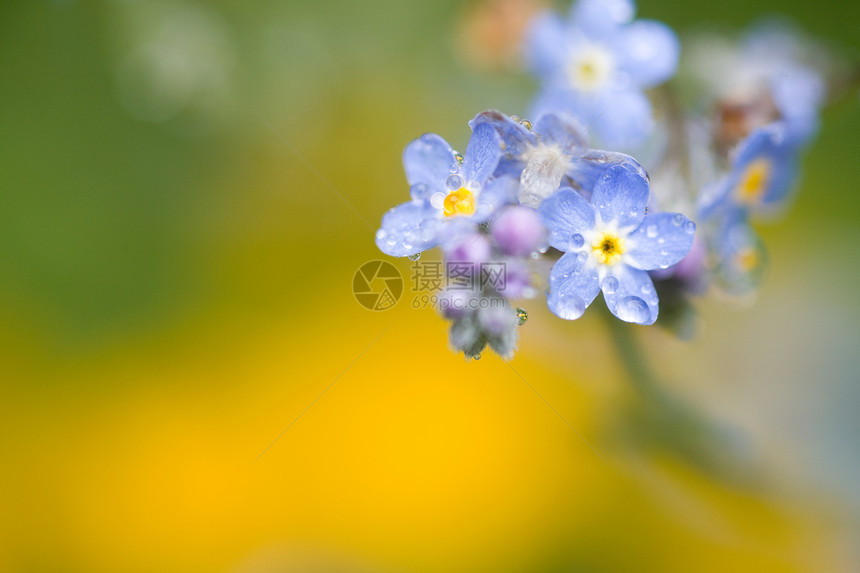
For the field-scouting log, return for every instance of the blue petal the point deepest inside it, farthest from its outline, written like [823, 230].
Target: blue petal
[621, 195]
[427, 160]
[516, 137]
[564, 214]
[630, 295]
[650, 52]
[601, 17]
[777, 144]
[587, 168]
[482, 154]
[408, 228]
[545, 43]
[563, 131]
[573, 284]
[495, 194]
[661, 240]
[622, 119]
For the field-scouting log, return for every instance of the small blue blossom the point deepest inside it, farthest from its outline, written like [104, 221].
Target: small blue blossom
[610, 244]
[552, 151]
[762, 173]
[451, 194]
[597, 64]
[740, 256]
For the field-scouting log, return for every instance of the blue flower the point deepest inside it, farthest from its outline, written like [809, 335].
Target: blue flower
[761, 176]
[610, 244]
[597, 64]
[555, 149]
[450, 194]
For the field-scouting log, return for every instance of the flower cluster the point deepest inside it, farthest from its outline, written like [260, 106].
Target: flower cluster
[535, 199]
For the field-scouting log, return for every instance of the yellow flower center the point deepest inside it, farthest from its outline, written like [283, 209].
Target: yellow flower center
[459, 202]
[754, 181]
[608, 248]
[748, 259]
[591, 69]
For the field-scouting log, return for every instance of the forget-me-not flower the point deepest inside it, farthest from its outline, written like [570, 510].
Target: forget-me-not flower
[762, 173]
[450, 193]
[597, 64]
[610, 244]
[542, 155]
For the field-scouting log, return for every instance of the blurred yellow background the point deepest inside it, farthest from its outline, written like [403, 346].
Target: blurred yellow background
[187, 383]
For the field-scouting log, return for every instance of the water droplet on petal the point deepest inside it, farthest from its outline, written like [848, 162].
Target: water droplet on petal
[459, 158]
[576, 241]
[515, 118]
[437, 200]
[678, 219]
[610, 285]
[477, 356]
[632, 309]
[454, 182]
[526, 123]
[690, 227]
[522, 316]
[454, 167]
[651, 231]
[414, 257]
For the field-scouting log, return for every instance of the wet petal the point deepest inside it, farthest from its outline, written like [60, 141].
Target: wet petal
[587, 168]
[514, 135]
[562, 131]
[661, 240]
[407, 229]
[621, 195]
[565, 214]
[573, 284]
[482, 154]
[495, 194]
[630, 295]
[427, 160]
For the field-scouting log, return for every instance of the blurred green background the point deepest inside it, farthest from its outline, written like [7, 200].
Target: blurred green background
[175, 270]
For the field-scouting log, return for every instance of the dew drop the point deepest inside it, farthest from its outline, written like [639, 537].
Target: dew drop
[437, 200]
[414, 257]
[515, 118]
[477, 356]
[454, 182]
[651, 231]
[610, 285]
[522, 316]
[535, 255]
[454, 167]
[459, 158]
[576, 241]
[526, 123]
[632, 309]
[690, 227]
[678, 219]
